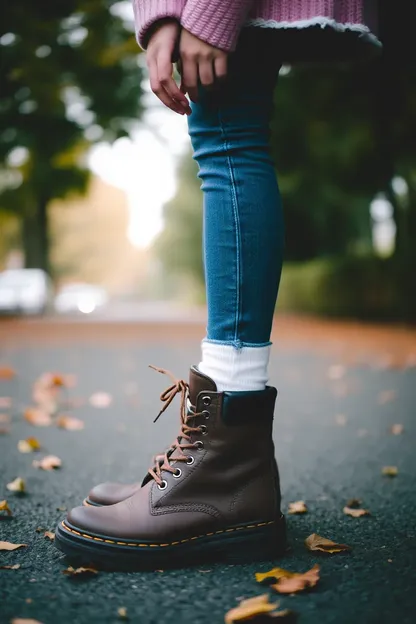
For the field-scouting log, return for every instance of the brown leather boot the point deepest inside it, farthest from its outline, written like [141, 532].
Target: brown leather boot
[215, 496]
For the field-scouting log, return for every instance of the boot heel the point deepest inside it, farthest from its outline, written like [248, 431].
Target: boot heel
[264, 543]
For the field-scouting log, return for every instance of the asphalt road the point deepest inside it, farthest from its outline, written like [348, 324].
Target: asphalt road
[332, 436]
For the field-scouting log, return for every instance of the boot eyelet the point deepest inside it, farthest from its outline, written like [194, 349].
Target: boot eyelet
[190, 460]
[177, 473]
[163, 485]
[199, 445]
[203, 429]
[206, 400]
[206, 414]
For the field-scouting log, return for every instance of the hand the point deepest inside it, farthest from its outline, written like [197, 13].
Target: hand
[200, 61]
[159, 61]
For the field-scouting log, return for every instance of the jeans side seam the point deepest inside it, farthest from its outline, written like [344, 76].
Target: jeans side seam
[237, 227]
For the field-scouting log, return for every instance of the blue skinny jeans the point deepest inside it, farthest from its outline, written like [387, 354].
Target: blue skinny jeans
[243, 233]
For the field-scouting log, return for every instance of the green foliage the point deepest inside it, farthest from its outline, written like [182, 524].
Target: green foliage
[69, 79]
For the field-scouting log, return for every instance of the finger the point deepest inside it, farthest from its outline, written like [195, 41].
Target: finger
[160, 92]
[190, 78]
[165, 70]
[220, 68]
[206, 73]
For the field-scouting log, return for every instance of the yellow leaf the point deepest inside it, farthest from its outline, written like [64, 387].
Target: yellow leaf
[390, 471]
[396, 429]
[49, 534]
[355, 513]
[273, 574]
[122, 613]
[5, 507]
[322, 544]
[28, 446]
[18, 485]
[50, 462]
[298, 507]
[70, 571]
[294, 582]
[16, 566]
[247, 609]
[70, 423]
[10, 546]
[37, 417]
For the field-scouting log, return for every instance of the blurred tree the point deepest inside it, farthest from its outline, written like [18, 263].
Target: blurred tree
[70, 78]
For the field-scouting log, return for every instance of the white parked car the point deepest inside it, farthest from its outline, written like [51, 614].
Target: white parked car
[24, 291]
[84, 298]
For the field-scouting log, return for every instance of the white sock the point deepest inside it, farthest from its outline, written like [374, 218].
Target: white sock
[235, 369]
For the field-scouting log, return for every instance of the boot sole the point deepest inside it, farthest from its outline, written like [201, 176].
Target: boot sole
[257, 541]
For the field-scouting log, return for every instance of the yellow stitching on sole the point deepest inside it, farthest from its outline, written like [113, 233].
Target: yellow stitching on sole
[107, 541]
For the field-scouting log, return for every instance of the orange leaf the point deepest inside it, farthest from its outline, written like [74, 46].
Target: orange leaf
[50, 462]
[390, 471]
[355, 513]
[70, 423]
[18, 485]
[10, 546]
[396, 429]
[297, 582]
[7, 373]
[298, 507]
[16, 566]
[247, 609]
[5, 507]
[70, 571]
[273, 575]
[38, 417]
[50, 535]
[322, 544]
[28, 446]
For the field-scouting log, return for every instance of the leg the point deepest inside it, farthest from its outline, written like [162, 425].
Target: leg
[243, 222]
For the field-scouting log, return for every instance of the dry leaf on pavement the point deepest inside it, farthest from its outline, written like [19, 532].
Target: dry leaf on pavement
[248, 609]
[354, 512]
[18, 485]
[7, 373]
[71, 572]
[386, 396]
[16, 566]
[122, 613]
[396, 429]
[49, 534]
[50, 462]
[24, 621]
[37, 417]
[29, 445]
[322, 544]
[293, 582]
[5, 402]
[5, 507]
[390, 471]
[298, 507]
[101, 399]
[70, 423]
[10, 546]
[354, 502]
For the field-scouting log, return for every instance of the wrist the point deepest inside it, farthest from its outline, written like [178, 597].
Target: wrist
[159, 25]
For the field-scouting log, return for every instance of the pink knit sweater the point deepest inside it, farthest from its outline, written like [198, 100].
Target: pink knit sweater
[219, 22]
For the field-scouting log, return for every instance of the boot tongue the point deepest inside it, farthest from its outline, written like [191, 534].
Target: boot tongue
[198, 382]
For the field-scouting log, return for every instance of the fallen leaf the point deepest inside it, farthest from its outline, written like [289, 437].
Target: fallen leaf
[322, 544]
[247, 609]
[5, 507]
[341, 420]
[16, 566]
[37, 417]
[18, 485]
[122, 613]
[40, 529]
[293, 582]
[354, 502]
[298, 507]
[70, 423]
[28, 446]
[354, 512]
[50, 462]
[10, 546]
[49, 534]
[396, 429]
[390, 471]
[336, 371]
[70, 571]
[5, 403]
[7, 373]
[100, 399]
[386, 396]
[24, 621]
[272, 575]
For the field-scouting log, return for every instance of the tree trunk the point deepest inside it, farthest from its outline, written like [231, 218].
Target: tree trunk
[35, 236]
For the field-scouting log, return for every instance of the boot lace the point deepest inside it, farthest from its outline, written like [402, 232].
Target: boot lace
[183, 441]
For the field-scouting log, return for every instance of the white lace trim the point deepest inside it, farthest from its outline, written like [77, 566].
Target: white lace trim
[317, 21]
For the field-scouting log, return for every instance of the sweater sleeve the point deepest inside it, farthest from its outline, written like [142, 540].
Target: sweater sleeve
[217, 22]
[147, 12]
